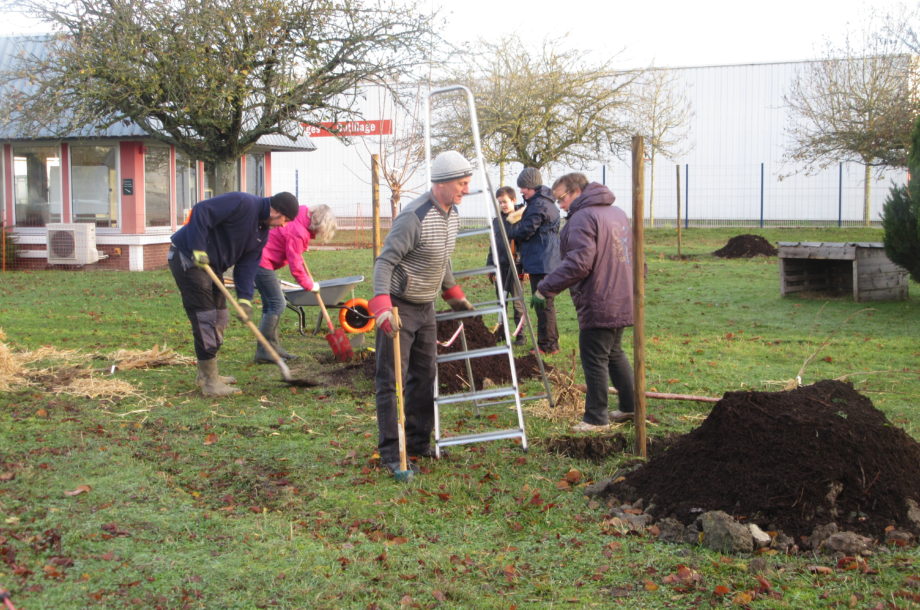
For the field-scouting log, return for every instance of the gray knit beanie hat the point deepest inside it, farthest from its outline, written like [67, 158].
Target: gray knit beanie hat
[286, 203]
[529, 178]
[450, 165]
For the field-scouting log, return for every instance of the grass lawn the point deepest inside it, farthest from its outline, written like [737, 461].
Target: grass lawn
[166, 499]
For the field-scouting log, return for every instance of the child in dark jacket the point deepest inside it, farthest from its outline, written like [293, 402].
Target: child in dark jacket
[508, 262]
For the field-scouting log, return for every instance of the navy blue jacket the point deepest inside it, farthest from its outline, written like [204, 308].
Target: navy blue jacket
[537, 233]
[232, 228]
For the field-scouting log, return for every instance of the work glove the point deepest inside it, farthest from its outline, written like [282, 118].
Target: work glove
[201, 258]
[382, 308]
[538, 301]
[315, 287]
[515, 216]
[456, 299]
[246, 306]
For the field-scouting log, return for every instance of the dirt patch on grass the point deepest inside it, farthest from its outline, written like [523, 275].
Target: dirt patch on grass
[788, 461]
[746, 246]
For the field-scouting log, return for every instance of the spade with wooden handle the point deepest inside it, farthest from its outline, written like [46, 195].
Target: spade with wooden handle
[336, 338]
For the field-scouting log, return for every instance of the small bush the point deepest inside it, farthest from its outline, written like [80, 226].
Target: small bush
[901, 216]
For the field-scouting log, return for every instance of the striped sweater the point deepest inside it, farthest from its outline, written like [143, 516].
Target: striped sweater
[414, 264]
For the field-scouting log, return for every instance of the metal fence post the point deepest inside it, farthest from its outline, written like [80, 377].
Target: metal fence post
[840, 196]
[761, 194]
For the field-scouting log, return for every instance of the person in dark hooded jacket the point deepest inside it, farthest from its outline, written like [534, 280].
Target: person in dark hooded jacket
[536, 231]
[596, 267]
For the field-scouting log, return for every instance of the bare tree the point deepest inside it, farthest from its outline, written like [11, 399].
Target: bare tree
[210, 76]
[539, 109]
[661, 113]
[856, 105]
[401, 154]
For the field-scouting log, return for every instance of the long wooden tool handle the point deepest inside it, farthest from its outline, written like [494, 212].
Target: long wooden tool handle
[400, 409]
[319, 300]
[286, 373]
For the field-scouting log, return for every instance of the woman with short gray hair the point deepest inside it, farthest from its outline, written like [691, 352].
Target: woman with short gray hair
[286, 246]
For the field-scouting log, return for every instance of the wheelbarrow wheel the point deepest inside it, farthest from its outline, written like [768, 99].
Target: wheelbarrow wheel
[355, 316]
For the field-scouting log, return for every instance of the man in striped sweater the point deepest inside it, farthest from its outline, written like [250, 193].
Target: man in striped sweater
[412, 269]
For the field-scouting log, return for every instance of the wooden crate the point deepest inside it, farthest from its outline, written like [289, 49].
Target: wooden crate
[860, 269]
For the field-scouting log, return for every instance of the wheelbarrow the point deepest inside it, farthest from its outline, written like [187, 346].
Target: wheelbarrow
[333, 292]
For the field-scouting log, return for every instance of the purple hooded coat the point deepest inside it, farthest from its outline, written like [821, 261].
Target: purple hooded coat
[596, 249]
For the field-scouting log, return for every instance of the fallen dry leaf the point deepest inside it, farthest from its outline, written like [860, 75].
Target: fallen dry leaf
[210, 439]
[81, 489]
[573, 476]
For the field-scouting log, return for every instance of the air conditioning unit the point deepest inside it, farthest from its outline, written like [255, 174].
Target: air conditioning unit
[72, 244]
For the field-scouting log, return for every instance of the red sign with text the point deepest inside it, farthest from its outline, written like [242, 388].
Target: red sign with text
[383, 127]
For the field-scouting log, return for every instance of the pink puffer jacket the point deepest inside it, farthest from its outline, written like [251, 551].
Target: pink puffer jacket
[286, 246]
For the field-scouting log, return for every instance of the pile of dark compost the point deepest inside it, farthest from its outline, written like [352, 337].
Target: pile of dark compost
[787, 461]
[453, 377]
[746, 246]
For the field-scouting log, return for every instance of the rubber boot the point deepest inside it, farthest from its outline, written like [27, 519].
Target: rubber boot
[276, 342]
[228, 379]
[211, 384]
[268, 326]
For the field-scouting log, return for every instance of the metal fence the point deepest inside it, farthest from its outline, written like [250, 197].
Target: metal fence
[761, 194]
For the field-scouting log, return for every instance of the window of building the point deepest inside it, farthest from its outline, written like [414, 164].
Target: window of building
[255, 174]
[94, 179]
[186, 186]
[36, 185]
[210, 180]
[156, 186]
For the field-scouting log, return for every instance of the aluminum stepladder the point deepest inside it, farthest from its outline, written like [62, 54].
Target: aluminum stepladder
[499, 395]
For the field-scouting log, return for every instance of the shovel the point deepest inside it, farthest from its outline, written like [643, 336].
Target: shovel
[336, 338]
[285, 371]
[403, 474]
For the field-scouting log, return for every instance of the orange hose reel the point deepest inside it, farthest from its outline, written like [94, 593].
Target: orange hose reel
[355, 316]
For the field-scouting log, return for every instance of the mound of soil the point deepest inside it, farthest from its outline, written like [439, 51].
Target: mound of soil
[746, 246]
[788, 461]
[452, 376]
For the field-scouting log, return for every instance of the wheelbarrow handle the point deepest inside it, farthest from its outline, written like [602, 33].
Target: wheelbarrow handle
[285, 371]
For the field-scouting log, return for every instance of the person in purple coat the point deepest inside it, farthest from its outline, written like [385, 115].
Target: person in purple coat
[596, 267]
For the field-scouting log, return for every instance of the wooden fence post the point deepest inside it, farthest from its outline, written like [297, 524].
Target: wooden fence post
[375, 204]
[638, 218]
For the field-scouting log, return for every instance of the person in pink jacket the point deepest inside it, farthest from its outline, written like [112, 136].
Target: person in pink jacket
[285, 246]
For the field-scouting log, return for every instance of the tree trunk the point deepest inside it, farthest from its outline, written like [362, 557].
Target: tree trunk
[866, 192]
[225, 177]
[395, 196]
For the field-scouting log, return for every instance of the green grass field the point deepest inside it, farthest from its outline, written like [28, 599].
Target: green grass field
[165, 499]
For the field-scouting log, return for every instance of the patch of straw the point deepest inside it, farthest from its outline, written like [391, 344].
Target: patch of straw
[93, 387]
[10, 368]
[567, 400]
[127, 359]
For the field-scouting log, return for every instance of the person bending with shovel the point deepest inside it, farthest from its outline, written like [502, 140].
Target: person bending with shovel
[413, 267]
[286, 246]
[225, 231]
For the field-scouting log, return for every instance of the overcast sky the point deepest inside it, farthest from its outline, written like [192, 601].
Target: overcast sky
[666, 33]
[670, 33]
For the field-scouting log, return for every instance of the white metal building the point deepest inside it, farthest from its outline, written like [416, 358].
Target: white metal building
[734, 172]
